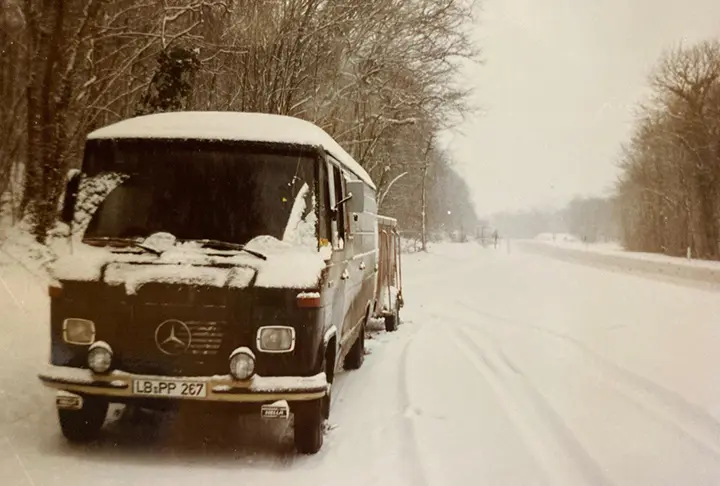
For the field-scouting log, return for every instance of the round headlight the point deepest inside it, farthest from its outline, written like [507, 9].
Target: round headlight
[100, 357]
[242, 363]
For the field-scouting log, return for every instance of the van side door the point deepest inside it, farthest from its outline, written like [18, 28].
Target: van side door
[362, 210]
[338, 272]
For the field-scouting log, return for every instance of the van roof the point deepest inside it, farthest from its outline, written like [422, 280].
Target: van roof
[227, 125]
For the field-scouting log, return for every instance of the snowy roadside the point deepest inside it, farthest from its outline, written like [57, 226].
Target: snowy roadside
[616, 249]
[509, 368]
[20, 248]
[680, 270]
[181, 450]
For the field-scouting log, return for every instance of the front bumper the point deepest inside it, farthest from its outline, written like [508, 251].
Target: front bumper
[220, 388]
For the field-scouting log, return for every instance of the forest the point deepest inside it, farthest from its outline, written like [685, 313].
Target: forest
[668, 195]
[381, 76]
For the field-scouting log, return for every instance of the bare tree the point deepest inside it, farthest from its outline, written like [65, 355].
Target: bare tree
[378, 75]
[669, 189]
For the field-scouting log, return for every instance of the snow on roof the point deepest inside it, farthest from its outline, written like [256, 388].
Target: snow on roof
[236, 126]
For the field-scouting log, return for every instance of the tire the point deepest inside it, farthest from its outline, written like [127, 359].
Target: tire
[356, 356]
[308, 433]
[326, 402]
[392, 321]
[83, 425]
[327, 399]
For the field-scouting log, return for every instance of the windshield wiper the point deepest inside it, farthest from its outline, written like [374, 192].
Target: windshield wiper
[121, 241]
[227, 245]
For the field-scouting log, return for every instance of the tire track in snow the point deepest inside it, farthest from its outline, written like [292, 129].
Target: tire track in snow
[389, 354]
[551, 443]
[378, 357]
[416, 470]
[662, 404]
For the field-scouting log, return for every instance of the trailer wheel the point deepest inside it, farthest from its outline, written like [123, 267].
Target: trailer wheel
[392, 321]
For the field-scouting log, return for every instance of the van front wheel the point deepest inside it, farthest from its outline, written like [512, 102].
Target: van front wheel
[83, 425]
[309, 420]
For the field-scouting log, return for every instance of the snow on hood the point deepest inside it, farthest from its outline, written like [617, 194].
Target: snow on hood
[85, 264]
[287, 266]
[134, 276]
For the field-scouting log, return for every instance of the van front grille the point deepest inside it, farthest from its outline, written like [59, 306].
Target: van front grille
[206, 337]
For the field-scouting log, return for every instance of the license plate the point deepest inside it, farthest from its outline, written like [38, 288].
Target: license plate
[174, 389]
[278, 410]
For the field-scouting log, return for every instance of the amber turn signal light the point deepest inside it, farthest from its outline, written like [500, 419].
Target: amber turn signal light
[55, 290]
[308, 300]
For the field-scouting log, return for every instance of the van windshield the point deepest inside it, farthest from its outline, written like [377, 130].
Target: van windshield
[193, 190]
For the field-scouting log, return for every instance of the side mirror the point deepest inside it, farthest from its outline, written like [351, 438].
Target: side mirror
[357, 203]
[72, 186]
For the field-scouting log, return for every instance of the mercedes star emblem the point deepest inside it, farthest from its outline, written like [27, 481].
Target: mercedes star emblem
[173, 337]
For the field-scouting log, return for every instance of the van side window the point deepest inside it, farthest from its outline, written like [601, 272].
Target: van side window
[340, 192]
[331, 203]
[337, 190]
[324, 215]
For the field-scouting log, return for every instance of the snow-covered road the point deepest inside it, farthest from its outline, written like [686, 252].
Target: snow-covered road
[510, 369]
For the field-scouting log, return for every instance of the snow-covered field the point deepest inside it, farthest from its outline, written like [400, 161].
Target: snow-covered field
[510, 368]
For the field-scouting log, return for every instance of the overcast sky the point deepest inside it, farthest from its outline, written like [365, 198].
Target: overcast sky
[560, 81]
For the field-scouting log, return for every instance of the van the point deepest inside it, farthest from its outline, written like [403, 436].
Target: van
[214, 257]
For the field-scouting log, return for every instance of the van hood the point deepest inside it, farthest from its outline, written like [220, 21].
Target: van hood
[286, 266]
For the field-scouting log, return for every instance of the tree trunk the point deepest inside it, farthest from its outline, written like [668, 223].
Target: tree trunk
[423, 233]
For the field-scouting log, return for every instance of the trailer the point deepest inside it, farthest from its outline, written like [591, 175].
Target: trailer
[389, 296]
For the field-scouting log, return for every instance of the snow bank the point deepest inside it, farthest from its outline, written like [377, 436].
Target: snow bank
[410, 245]
[643, 263]
[565, 237]
[236, 126]
[19, 244]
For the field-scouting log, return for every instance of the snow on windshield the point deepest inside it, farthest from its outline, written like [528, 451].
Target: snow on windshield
[91, 194]
[302, 224]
